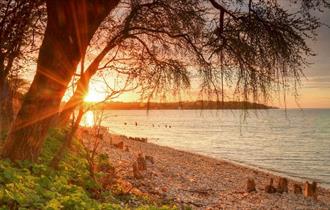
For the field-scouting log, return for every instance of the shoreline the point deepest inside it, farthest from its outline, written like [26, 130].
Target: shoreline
[252, 167]
[275, 172]
[202, 182]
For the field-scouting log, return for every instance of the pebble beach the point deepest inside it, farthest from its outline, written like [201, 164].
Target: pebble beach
[201, 182]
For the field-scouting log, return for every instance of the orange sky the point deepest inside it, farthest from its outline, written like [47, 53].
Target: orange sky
[313, 94]
[315, 90]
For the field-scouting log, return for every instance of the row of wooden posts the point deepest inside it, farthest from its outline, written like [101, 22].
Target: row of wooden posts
[310, 189]
[153, 125]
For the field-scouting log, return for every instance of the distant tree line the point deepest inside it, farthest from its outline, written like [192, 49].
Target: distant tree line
[181, 105]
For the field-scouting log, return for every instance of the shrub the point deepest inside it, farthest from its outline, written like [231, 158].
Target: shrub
[26, 185]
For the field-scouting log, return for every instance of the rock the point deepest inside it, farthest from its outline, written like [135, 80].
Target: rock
[126, 149]
[310, 190]
[150, 159]
[120, 145]
[282, 185]
[297, 189]
[270, 188]
[136, 172]
[141, 161]
[250, 185]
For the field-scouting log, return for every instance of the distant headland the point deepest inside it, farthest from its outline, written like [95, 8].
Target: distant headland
[182, 105]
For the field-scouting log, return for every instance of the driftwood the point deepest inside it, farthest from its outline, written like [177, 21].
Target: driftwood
[282, 185]
[141, 161]
[310, 190]
[138, 166]
[250, 185]
[270, 188]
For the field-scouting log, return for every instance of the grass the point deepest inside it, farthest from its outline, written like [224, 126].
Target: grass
[26, 185]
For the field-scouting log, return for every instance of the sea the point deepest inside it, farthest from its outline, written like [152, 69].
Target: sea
[292, 142]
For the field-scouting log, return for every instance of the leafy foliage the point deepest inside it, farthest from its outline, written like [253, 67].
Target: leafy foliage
[26, 185]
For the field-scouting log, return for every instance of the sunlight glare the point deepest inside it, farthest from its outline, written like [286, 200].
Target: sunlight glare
[88, 119]
[94, 96]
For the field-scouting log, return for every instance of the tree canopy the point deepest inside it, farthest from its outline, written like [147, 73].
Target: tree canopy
[251, 49]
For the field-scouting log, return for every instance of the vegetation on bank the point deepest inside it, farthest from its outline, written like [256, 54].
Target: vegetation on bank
[26, 185]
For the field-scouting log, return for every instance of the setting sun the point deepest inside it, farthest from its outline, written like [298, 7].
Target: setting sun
[94, 96]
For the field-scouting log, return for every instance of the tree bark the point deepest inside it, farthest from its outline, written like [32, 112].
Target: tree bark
[70, 27]
[6, 98]
[6, 106]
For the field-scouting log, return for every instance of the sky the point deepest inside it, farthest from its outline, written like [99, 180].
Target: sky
[314, 91]
[315, 87]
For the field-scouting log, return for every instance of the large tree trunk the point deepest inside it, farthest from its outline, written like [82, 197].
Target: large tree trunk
[70, 26]
[6, 106]
[6, 97]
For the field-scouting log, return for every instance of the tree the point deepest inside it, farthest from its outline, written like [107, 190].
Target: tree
[254, 45]
[262, 45]
[83, 108]
[19, 27]
[259, 45]
[70, 26]
[136, 32]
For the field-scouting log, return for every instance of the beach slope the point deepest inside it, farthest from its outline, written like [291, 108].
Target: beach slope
[202, 182]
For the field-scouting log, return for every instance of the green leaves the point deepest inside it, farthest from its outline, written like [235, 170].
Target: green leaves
[9, 174]
[26, 185]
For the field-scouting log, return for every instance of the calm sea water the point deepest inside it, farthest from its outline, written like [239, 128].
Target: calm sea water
[295, 143]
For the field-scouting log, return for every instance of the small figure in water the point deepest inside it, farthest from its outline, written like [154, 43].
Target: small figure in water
[135, 123]
[153, 125]
[125, 123]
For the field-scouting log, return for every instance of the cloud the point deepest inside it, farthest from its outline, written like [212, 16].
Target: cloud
[317, 82]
